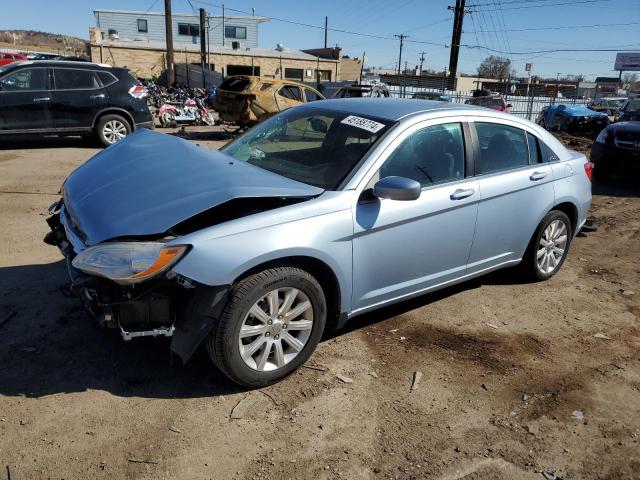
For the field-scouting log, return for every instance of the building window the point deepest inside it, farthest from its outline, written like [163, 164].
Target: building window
[189, 29]
[142, 26]
[294, 73]
[112, 31]
[235, 32]
[243, 70]
[324, 75]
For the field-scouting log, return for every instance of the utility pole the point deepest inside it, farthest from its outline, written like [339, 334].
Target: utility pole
[203, 46]
[326, 25]
[223, 24]
[458, 17]
[401, 37]
[171, 72]
[422, 54]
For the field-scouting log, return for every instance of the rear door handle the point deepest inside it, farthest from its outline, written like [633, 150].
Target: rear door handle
[537, 176]
[95, 97]
[460, 194]
[42, 99]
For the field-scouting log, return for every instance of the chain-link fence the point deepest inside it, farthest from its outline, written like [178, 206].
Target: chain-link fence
[521, 105]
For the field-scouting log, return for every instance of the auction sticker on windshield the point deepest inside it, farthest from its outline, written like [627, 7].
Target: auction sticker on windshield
[363, 123]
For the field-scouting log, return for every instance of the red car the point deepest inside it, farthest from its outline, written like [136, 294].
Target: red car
[6, 58]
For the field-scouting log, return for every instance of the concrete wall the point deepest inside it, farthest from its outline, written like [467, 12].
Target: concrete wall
[146, 62]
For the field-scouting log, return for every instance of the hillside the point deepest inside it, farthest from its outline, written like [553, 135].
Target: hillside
[50, 42]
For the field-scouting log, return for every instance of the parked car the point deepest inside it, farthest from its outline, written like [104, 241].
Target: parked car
[573, 119]
[247, 100]
[71, 98]
[365, 90]
[316, 215]
[437, 96]
[7, 58]
[628, 109]
[43, 56]
[494, 102]
[609, 106]
[617, 148]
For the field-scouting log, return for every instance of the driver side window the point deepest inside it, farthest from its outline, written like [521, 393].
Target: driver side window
[431, 156]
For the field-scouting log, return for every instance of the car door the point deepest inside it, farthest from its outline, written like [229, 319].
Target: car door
[77, 97]
[24, 99]
[516, 191]
[288, 96]
[404, 247]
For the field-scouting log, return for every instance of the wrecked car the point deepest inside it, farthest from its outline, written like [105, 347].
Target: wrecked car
[247, 100]
[493, 101]
[573, 119]
[617, 148]
[437, 96]
[363, 90]
[323, 212]
[628, 110]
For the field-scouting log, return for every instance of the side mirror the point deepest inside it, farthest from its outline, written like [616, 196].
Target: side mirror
[397, 188]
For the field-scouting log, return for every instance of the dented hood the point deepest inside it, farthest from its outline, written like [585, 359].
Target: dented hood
[149, 182]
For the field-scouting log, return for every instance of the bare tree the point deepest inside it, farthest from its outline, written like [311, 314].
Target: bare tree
[629, 79]
[495, 67]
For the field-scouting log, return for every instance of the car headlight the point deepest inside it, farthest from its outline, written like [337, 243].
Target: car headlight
[602, 137]
[128, 262]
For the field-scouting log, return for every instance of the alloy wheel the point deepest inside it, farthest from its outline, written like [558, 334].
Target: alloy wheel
[276, 329]
[114, 130]
[552, 246]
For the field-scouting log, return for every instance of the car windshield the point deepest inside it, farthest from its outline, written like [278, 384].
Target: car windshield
[633, 106]
[616, 103]
[319, 147]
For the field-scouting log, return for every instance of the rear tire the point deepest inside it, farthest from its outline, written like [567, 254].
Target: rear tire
[111, 129]
[549, 247]
[257, 350]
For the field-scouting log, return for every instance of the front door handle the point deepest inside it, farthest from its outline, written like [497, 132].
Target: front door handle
[535, 176]
[42, 99]
[95, 97]
[460, 194]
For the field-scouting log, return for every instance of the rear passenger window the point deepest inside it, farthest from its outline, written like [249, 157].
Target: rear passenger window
[106, 78]
[501, 147]
[291, 92]
[74, 79]
[311, 95]
[534, 150]
[429, 156]
[548, 155]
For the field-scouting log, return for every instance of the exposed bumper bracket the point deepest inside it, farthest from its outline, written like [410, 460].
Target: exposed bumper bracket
[156, 332]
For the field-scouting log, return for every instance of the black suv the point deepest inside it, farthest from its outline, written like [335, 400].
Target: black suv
[71, 98]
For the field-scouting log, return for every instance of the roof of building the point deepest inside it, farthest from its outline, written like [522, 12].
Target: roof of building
[259, 19]
[247, 52]
[607, 80]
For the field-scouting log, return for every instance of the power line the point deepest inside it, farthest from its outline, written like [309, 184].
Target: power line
[595, 25]
[520, 7]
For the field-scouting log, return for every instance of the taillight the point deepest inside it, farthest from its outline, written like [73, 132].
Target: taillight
[588, 169]
[138, 91]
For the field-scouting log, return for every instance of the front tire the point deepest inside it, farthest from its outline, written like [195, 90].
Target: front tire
[549, 246]
[111, 129]
[270, 326]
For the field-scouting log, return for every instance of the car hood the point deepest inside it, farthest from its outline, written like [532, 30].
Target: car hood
[626, 126]
[149, 182]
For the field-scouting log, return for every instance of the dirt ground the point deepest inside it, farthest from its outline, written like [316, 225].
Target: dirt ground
[504, 366]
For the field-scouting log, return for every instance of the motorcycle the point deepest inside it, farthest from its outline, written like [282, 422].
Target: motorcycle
[192, 112]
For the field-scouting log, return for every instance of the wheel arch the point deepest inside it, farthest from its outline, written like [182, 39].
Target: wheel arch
[114, 111]
[319, 269]
[571, 211]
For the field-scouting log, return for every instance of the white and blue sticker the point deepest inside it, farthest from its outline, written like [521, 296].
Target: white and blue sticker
[363, 123]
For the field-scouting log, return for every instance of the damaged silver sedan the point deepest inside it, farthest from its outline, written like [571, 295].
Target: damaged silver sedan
[318, 214]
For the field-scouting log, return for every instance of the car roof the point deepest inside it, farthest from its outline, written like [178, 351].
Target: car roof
[393, 109]
[60, 63]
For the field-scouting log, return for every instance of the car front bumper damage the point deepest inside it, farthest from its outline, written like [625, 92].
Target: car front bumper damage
[152, 308]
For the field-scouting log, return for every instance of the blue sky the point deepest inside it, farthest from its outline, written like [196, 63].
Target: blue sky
[427, 22]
